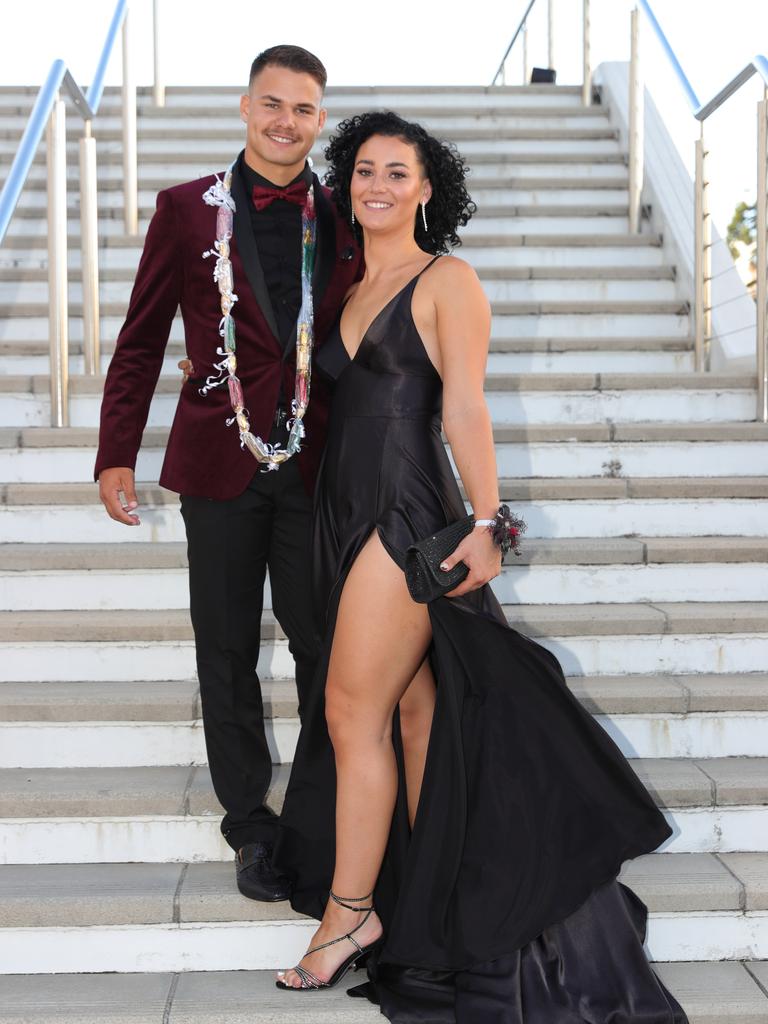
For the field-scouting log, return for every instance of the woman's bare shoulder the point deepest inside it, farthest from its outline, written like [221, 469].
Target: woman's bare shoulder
[455, 280]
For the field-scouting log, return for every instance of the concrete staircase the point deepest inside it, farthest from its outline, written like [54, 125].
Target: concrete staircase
[645, 488]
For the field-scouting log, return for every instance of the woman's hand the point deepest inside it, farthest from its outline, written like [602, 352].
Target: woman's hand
[187, 369]
[481, 555]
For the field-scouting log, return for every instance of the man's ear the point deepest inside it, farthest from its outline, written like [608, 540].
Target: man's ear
[245, 107]
[322, 119]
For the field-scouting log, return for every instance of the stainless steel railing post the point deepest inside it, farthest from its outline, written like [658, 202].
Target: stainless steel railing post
[586, 89]
[158, 91]
[702, 260]
[130, 185]
[551, 33]
[89, 249]
[761, 224]
[636, 129]
[56, 157]
[526, 62]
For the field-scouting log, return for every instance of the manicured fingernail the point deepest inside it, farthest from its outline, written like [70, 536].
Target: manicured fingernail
[444, 566]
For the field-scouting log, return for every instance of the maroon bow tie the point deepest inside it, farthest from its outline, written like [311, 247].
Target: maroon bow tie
[263, 195]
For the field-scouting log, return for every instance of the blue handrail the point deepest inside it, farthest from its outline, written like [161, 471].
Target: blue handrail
[96, 88]
[758, 65]
[87, 105]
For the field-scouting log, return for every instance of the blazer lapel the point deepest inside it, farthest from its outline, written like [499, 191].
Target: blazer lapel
[325, 257]
[249, 253]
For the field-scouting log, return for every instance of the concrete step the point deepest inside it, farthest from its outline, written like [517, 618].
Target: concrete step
[136, 917]
[579, 459]
[567, 324]
[226, 127]
[170, 814]
[581, 571]
[217, 154]
[512, 399]
[711, 993]
[34, 357]
[539, 174]
[22, 247]
[118, 744]
[250, 997]
[178, 700]
[588, 639]
[25, 297]
[489, 200]
[29, 232]
[606, 507]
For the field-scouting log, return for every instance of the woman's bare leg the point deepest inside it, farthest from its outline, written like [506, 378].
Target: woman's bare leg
[379, 645]
[417, 706]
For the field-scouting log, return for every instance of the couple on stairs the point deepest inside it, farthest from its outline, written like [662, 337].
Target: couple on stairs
[454, 818]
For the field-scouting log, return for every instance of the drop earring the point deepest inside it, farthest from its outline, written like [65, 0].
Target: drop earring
[424, 212]
[353, 212]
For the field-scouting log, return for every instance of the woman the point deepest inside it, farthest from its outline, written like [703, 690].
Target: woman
[466, 813]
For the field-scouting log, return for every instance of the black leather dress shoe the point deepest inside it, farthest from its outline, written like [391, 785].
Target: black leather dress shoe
[256, 878]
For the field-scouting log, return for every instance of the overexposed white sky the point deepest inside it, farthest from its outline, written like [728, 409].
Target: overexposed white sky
[212, 42]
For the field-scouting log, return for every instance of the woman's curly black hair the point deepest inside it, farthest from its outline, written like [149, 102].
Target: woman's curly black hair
[450, 206]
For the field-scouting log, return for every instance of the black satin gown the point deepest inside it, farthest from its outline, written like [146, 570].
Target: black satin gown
[502, 905]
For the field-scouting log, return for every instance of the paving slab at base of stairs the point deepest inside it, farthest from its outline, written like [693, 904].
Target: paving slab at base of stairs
[718, 993]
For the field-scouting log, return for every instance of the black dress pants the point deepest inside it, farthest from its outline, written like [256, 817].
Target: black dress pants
[231, 544]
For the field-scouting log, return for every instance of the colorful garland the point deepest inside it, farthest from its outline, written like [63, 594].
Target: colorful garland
[220, 194]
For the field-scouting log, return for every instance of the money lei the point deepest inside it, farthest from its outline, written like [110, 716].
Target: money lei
[272, 456]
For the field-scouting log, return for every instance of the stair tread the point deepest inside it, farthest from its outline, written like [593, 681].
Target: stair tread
[80, 895]
[711, 993]
[179, 791]
[80, 384]
[178, 701]
[512, 489]
[157, 555]
[556, 433]
[551, 620]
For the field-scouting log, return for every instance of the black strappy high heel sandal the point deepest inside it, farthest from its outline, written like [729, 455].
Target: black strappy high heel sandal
[309, 983]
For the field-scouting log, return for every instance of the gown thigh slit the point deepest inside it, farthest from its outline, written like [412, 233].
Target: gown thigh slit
[501, 905]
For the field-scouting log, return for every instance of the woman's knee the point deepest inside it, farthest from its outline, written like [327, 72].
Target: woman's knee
[352, 720]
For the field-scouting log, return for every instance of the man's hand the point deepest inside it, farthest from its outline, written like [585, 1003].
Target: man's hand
[187, 369]
[113, 482]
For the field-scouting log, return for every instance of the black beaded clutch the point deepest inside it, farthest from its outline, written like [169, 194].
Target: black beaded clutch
[426, 580]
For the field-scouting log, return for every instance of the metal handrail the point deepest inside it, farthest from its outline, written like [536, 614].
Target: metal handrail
[86, 103]
[702, 311]
[48, 115]
[522, 29]
[518, 30]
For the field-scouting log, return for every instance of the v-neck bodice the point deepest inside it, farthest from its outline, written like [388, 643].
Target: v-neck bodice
[390, 345]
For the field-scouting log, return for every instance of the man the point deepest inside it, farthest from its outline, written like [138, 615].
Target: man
[240, 518]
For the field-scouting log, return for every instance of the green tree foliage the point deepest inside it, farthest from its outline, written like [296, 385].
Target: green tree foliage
[742, 227]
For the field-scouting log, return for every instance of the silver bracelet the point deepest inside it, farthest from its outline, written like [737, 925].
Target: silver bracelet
[484, 522]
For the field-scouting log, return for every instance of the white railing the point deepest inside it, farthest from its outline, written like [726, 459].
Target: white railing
[702, 242]
[702, 226]
[48, 117]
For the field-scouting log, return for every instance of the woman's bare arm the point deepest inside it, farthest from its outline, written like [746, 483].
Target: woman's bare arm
[463, 320]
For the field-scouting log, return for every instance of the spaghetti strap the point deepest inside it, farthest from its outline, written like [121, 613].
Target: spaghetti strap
[425, 269]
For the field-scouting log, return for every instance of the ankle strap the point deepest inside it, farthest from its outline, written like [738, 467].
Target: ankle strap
[344, 901]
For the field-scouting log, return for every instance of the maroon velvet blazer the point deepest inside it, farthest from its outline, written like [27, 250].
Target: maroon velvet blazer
[203, 456]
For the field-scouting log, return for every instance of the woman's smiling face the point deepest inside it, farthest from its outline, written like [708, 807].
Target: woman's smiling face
[387, 184]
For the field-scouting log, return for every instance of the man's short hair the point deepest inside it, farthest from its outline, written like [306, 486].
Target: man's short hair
[295, 58]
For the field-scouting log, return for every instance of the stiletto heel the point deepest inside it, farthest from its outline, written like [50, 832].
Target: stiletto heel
[310, 983]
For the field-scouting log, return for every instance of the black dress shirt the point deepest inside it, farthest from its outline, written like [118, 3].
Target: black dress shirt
[277, 231]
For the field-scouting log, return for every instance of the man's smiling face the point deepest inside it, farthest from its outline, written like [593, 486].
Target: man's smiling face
[283, 115]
